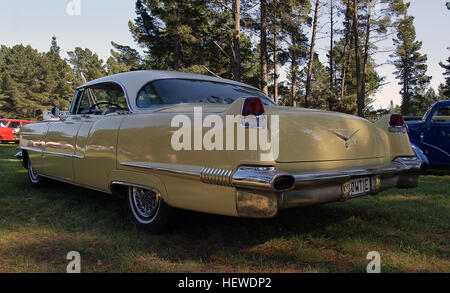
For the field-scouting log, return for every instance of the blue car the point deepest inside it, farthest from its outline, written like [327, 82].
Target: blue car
[431, 134]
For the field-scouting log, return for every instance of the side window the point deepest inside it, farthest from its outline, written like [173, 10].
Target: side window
[442, 115]
[14, 124]
[74, 103]
[101, 99]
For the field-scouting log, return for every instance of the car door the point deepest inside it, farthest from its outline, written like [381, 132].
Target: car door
[11, 126]
[438, 136]
[60, 141]
[95, 151]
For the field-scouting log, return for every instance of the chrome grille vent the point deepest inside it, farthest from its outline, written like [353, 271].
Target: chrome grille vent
[216, 176]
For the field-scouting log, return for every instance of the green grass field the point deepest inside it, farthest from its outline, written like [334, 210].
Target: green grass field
[38, 227]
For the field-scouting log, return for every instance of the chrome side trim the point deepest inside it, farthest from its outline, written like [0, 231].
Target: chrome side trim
[167, 168]
[63, 154]
[30, 149]
[126, 183]
[51, 152]
[268, 178]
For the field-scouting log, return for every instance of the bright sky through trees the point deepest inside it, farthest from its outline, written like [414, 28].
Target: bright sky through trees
[103, 21]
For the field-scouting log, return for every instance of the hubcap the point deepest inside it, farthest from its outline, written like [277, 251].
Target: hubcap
[33, 175]
[146, 201]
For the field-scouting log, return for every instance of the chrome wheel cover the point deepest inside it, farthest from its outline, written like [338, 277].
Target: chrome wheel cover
[33, 175]
[146, 202]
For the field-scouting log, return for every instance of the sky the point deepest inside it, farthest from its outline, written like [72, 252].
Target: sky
[98, 22]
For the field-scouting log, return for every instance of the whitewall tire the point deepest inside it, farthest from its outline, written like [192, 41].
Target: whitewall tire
[149, 209]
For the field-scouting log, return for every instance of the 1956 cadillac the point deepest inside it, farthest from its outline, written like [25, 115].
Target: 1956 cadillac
[119, 135]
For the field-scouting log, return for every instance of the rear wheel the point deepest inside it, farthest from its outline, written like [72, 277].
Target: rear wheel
[149, 209]
[35, 178]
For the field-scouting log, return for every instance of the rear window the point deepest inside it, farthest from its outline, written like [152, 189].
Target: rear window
[3, 123]
[14, 124]
[442, 115]
[175, 91]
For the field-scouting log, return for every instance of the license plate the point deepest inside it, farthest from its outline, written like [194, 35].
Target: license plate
[359, 186]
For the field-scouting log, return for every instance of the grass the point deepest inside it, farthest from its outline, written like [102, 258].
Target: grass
[38, 227]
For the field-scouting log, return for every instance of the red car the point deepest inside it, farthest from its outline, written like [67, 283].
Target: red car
[7, 126]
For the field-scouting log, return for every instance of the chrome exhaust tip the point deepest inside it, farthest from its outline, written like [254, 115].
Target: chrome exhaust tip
[266, 178]
[283, 182]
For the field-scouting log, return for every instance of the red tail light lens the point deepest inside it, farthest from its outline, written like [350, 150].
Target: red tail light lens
[252, 106]
[396, 120]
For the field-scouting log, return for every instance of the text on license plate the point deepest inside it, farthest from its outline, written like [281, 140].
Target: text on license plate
[359, 186]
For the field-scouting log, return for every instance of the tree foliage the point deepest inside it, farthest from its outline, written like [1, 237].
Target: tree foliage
[31, 82]
[253, 41]
[410, 66]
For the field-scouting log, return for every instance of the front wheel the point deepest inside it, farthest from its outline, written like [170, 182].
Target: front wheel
[149, 210]
[35, 178]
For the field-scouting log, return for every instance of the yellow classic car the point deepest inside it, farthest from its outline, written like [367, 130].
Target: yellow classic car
[167, 140]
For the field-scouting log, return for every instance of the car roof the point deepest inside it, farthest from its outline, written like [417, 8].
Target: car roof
[16, 120]
[133, 81]
[443, 102]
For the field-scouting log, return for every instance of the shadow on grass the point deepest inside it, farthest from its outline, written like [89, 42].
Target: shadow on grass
[42, 225]
[443, 171]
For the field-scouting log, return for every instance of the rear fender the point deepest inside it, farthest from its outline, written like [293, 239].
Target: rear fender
[398, 141]
[420, 155]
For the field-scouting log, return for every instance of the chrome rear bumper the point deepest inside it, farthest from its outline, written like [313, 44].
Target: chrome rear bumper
[262, 191]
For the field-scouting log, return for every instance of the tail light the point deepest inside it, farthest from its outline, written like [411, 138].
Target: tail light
[252, 106]
[396, 121]
[397, 124]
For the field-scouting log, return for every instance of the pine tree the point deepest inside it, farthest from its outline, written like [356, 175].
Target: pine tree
[61, 76]
[263, 46]
[32, 82]
[172, 32]
[445, 90]
[123, 59]
[87, 62]
[410, 64]
[292, 23]
[311, 55]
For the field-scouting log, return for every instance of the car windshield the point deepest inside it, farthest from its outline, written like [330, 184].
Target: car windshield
[175, 91]
[426, 114]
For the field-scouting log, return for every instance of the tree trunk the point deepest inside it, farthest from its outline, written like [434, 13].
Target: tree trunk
[177, 45]
[263, 44]
[405, 98]
[346, 55]
[366, 49]
[275, 67]
[359, 93]
[311, 56]
[331, 45]
[237, 41]
[294, 81]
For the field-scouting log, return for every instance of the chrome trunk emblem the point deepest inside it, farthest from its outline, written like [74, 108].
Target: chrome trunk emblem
[343, 137]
